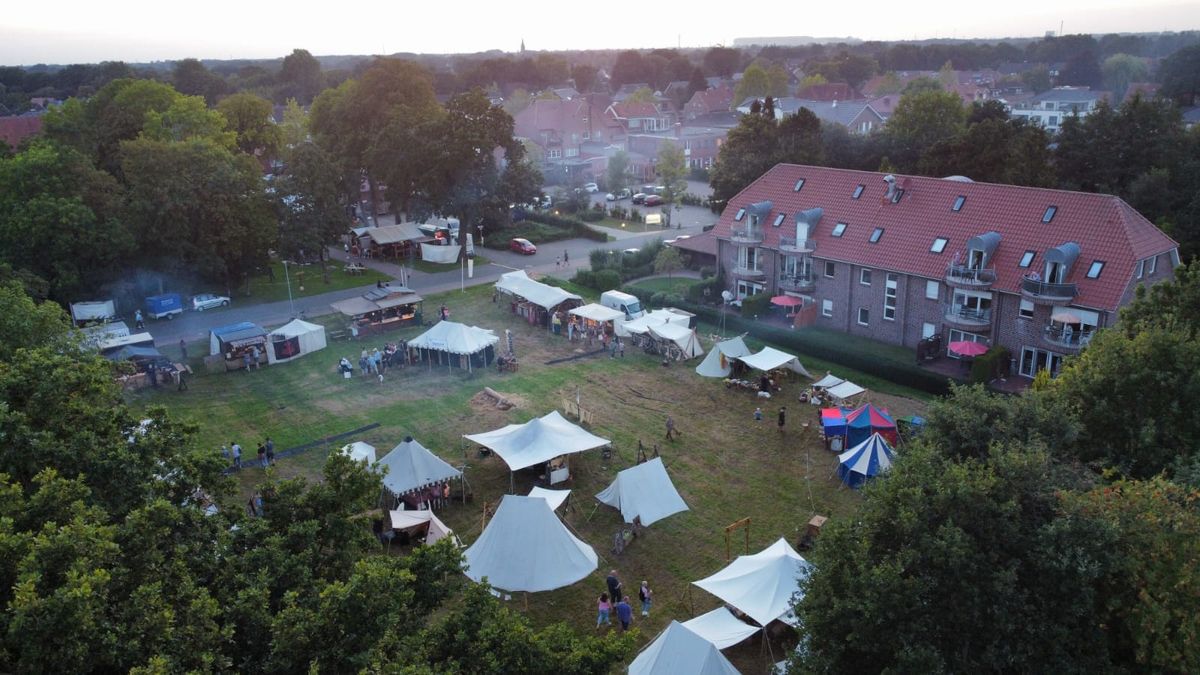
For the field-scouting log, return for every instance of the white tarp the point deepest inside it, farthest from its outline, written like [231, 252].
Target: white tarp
[360, 451]
[527, 548]
[844, 390]
[556, 498]
[597, 312]
[644, 491]
[679, 650]
[770, 359]
[717, 363]
[455, 338]
[657, 317]
[721, 627]
[310, 337]
[542, 295]
[828, 381]
[760, 585]
[685, 338]
[439, 254]
[538, 440]
[411, 467]
[403, 520]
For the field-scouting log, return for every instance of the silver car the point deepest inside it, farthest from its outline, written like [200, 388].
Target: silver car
[205, 301]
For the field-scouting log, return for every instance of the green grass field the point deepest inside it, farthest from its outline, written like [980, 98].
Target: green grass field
[306, 280]
[726, 465]
[677, 285]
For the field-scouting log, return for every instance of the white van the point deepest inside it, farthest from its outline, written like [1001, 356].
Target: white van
[623, 302]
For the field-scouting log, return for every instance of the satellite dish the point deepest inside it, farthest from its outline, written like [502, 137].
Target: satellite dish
[726, 296]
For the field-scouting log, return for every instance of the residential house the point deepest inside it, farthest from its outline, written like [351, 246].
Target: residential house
[857, 116]
[905, 258]
[884, 105]
[16, 128]
[641, 117]
[1050, 108]
[700, 147]
[565, 93]
[717, 99]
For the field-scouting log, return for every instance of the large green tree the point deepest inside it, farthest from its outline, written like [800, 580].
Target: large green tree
[300, 77]
[672, 170]
[250, 118]
[1180, 75]
[313, 208]
[920, 120]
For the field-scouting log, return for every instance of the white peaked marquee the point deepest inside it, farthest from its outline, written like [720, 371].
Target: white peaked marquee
[678, 650]
[718, 361]
[538, 440]
[411, 467]
[527, 548]
[644, 491]
[363, 452]
[760, 585]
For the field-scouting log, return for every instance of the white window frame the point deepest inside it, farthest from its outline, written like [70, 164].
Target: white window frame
[829, 264]
[864, 277]
[933, 290]
[839, 230]
[938, 245]
[827, 308]
[1027, 259]
[1095, 269]
[890, 286]
[1141, 268]
[1026, 310]
[860, 316]
[928, 330]
[1153, 264]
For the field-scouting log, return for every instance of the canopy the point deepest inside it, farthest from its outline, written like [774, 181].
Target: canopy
[680, 650]
[685, 338]
[721, 628]
[596, 312]
[770, 359]
[542, 295]
[846, 389]
[716, 364]
[235, 335]
[376, 299]
[830, 380]
[644, 491]
[538, 440]
[294, 339]
[411, 467]
[787, 301]
[555, 498]
[968, 348]
[393, 234]
[657, 317]
[455, 338]
[527, 548]
[866, 420]
[865, 460]
[360, 451]
[760, 585]
[135, 353]
[403, 520]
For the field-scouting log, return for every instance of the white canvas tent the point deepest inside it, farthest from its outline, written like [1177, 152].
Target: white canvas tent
[411, 467]
[293, 340]
[760, 585]
[458, 339]
[644, 491]
[770, 358]
[685, 338]
[830, 380]
[721, 627]
[596, 312]
[657, 317]
[844, 390]
[363, 452]
[542, 295]
[717, 363]
[403, 520]
[537, 441]
[527, 548]
[679, 650]
[556, 498]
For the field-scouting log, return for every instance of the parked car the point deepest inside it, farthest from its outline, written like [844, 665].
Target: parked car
[614, 196]
[591, 187]
[653, 200]
[521, 245]
[205, 301]
[639, 198]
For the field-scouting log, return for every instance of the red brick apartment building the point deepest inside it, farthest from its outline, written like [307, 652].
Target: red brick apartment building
[901, 258]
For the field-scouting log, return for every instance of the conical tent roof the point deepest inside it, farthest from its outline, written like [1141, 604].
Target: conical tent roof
[527, 548]
[538, 440]
[358, 450]
[716, 364]
[411, 467]
[866, 420]
[760, 585]
[865, 460]
[678, 650]
[644, 491]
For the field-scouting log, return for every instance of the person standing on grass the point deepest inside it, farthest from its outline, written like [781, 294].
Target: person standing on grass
[624, 613]
[614, 585]
[603, 606]
[262, 455]
[672, 433]
[782, 417]
[758, 414]
[254, 357]
[246, 361]
[566, 256]
[645, 595]
[270, 448]
[182, 351]
[237, 454]
[138, 320]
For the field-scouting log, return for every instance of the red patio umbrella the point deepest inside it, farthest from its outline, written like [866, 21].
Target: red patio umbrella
[968, 348]
[787, 301]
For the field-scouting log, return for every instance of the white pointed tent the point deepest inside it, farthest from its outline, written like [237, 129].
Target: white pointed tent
[527, 548]
[770, 358]
[685, 338]
[721, 627]
[448, 337]
[760, 585]
[644, 491]
[678, 650]
[539, 440]
[411, 467]
[363, 452]
[293, 340]
[718, 361]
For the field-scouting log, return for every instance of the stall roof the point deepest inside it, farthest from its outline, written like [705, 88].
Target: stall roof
[830, 380]
[411, 466]
[455, 338]
[596, 312]
[760, 585]
[395, 300]
[845, 389]
[542, 295]
[721, 628]
[392, 234]
[770, 359]
[238, 331]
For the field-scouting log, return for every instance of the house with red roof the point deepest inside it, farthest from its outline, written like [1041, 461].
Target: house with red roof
[717, 99]
[903, 259]
[641, 117]
[16, 128]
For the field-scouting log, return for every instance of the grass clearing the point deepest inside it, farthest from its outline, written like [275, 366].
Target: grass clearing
[306, 280]
[676, 285]
[726, 465]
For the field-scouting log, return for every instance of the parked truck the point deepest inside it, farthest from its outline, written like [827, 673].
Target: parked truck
[166, 305]
[92, 312]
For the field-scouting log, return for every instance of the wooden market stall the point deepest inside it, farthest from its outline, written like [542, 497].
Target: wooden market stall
[381, 309]
[534, 301]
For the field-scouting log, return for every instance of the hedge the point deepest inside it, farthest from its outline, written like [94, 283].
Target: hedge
[990, 365]
[540, 228]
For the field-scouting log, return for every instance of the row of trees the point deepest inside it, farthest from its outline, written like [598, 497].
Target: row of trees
[1054, 531]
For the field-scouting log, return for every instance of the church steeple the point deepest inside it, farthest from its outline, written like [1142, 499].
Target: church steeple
[522, 45]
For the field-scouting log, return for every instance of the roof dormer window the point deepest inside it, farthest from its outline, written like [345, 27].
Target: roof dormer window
[799, 184]
[858, 190]
[1027, 259]
[779, 219]
[1049, 214]
[876, 235]
[958, 203]
[740, 214]
[1095, 270]
[939, 245]
[839, 229]
[897, 195]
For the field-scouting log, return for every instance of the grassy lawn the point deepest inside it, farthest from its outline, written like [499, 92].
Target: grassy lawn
[632, 225]
[726, 466]
[675, 285]
[306, 280]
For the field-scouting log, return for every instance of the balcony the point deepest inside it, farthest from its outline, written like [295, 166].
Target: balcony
[962, 276]
[961, 315]
[1068, 338]
[790, 245]
[746, 234]
[748, 272]
[800, 282]
[1046, 293]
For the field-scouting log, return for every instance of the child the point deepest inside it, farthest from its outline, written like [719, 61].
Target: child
[758, 414]
[645, 594]
[604, 606]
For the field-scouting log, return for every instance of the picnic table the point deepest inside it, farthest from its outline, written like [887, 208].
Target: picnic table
[355, 268]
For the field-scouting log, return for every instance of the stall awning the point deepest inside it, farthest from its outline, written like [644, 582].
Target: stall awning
[538, 440]
[595, 312]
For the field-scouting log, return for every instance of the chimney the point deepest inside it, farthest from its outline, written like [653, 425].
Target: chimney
[891, 185]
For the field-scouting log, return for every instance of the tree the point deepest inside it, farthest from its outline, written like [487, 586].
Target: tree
[1082, 69]
[921, 120]
[27, 324]
[1120, 70]
[1037, 79]
[191, 78]
[672, 170]
[617, 175]
[630, 68]
[668, 261]
[294, 129]
[116, 113]
[250, 117]
[722, 61]
[748, 152]
[300, 77]
[642, 95]
[921, 84]
[1180, 75]
[800, 138]
[696, 83]
[890, 84]
[759, 81]
[313, 212]
[584, 76]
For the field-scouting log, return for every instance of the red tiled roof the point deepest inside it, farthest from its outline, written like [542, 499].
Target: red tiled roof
[1104, 226]
[711, 100]
[551, 115]
[626, 110]
[702, 243]
[17, 128]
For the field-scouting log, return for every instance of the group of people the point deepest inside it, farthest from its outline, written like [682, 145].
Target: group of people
[615, 601]
[233, 453]
[375, 361]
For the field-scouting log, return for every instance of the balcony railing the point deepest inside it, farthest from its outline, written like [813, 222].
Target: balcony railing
[746, 234]
[748, 272]
[801, 246]
[961, 314]
[962, 275]
[798, 282]
[1069, 337]
[1042, 290]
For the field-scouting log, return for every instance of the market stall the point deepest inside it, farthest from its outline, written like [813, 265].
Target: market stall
[455, 345]
[534, 301]
[595, 316]
[381, 309]
[235, 341]
[295, 339]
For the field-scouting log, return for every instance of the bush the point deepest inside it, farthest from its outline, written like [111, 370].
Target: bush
[708, 272]
[592, 216]
[713, 284]
[583, 278]
[994, 363]
[699, 174]
[664, 299]
[606, 280]
[756, 306]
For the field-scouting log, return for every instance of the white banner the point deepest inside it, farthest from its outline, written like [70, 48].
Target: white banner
[439, 254]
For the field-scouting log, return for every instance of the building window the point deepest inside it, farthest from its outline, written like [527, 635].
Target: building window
[1174, 257]
[939, 245]
[1141, 268]
[779, 219]
[799, 184]
[933, 290]
[864, 277]
[1026, 311]
[864, 316]
[830, 269]
[876, 235]
[748, 258]
[555, 153]
[1152, 263]
[897, 195]
[827, 308]
[1053, 121]
[738, 217]
[1095, 270]
[746, 289]
[889, 297]
[1049, 214]
[1027, 259]
[958, 203]
[928, 330]
[858, 190]
[839, 229]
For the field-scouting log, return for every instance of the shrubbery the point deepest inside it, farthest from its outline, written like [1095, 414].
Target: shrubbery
[990, 365]
[540, 228]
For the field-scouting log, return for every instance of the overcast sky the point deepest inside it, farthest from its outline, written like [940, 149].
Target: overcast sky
[84, 31]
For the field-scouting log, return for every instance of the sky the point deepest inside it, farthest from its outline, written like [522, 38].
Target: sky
[86, 31]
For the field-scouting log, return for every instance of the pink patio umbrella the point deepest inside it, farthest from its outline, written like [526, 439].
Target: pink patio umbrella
[787, 301]
[968, 348]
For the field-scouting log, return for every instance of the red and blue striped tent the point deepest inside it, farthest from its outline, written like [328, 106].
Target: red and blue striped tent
[861, 423]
